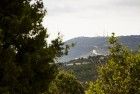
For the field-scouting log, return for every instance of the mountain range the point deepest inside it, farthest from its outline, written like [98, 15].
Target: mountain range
[91, 46]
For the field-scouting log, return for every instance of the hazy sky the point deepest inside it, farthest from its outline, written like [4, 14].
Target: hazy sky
[73, 18]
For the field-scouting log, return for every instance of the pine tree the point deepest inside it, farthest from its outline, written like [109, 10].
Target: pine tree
[26, 59]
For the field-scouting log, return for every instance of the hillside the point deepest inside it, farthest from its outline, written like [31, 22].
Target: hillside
[85, 69]
[92, 46]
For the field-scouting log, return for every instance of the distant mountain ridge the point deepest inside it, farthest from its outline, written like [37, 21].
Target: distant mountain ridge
[91, 46]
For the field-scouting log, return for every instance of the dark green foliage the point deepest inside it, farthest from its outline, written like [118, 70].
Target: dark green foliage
[121, 74]
[66, 83]
[86, 69]
[84, 72]
[25, 56]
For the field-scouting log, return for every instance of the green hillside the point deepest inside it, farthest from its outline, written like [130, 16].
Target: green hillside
[85, 69]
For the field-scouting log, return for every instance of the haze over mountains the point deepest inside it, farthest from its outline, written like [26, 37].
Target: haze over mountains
[91, 46]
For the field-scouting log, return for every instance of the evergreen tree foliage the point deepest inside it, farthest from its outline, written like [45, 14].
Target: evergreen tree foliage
[26, 59]
[121, 75]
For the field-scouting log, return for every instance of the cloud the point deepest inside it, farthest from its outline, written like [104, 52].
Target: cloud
[69, 6]
[56, 7]
[128, 3]
[92, 17]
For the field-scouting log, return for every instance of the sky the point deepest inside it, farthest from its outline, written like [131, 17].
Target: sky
[90, 18]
